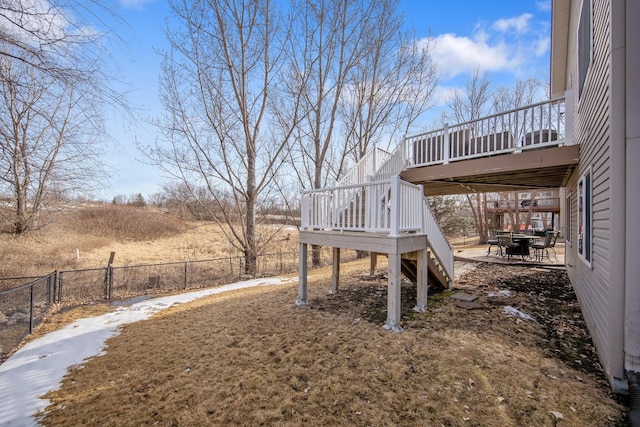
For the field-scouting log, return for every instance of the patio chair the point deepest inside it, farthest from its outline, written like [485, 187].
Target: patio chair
[541, 247]
[552, 246]
[493, 241]
[506, 242]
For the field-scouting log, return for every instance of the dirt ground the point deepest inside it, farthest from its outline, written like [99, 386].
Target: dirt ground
[253, 358]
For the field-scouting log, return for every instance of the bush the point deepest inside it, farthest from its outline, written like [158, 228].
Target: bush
[127, 222]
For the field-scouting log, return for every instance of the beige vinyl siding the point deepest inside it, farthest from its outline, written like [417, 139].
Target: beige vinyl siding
[592, 282]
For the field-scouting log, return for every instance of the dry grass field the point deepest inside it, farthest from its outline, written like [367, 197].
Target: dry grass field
[253, 358]
[84, 237]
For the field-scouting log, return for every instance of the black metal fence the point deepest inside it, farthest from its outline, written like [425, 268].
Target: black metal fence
[26, 301]
[22, 309]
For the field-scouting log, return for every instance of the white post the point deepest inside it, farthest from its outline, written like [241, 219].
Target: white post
[304, 212]
[568, 118]
[393, 295]
[395, 207]
[302, 275]
[423, 208]
[375, 159]
[446, 147]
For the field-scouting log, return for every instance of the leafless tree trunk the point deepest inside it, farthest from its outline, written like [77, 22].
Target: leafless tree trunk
[326, 44]
[217, 88]
[48, 139]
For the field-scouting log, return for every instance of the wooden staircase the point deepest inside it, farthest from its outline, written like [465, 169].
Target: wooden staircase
[437, 276]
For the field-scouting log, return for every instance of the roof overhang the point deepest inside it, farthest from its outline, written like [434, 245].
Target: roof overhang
[560, 13]
[533, 169]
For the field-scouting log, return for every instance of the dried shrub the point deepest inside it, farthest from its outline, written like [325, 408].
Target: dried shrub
[126, 222]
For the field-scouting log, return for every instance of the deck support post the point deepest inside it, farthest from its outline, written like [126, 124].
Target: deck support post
[373, 263]
[393, 294]
[335, 273]
[302, 275]
[422, 284]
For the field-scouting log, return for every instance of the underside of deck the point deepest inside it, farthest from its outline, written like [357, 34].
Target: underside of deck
[531, 169]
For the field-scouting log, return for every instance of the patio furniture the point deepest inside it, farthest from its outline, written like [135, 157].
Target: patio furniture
[524, 241]
[541, 247]
[493, 241]
[510, 247]
[552, 246]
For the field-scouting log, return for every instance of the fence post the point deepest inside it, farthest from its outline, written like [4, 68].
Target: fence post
[60, 287]
[49, 288]
[110, 273]
[31, 309]
[185, 275]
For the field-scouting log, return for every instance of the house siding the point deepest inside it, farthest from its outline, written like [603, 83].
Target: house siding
[596, 284]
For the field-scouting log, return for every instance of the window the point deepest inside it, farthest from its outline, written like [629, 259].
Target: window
[584, 217]
[585, 37]
[567, 219]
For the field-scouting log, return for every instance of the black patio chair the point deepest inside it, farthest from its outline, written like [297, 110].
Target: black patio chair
[541, 247]
[506, 242]
[493, 241]
[552, 246]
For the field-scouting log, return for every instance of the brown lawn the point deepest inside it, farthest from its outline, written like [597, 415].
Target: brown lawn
[253, 358]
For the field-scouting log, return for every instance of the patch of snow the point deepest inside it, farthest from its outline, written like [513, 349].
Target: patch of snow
[40, 365]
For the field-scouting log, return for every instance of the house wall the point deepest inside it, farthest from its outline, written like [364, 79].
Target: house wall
[632, 229]
[599, 284]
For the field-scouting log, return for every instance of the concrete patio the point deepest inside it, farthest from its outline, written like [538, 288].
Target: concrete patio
[468, 250]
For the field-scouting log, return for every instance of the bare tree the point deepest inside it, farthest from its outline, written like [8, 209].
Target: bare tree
[217, 84]
[54, 79]
[471, 103]
[59, 38]
[466, 105]
[389, 88]
[523, 93]
[356, 78]
[48, 139]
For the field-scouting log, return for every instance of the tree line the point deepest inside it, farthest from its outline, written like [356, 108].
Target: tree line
[260, 99]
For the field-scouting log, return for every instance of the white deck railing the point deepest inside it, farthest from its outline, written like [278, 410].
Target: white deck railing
[534, 126]
[391, 206]
[367, 166]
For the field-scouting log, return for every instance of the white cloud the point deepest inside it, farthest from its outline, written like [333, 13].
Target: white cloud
[544, 5]
[518, 23]
[510, 45]
[458, 55]
[135, 4]
[444, 93]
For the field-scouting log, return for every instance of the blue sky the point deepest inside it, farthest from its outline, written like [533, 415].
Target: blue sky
[507, 39]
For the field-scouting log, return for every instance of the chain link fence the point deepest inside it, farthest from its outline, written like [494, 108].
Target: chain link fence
[22, 309]
[24, 302]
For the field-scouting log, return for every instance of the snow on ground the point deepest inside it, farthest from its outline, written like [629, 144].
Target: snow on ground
[40, 365]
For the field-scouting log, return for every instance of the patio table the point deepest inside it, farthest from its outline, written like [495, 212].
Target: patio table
[524, 242]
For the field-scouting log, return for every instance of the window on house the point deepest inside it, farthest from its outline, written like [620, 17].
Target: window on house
[567, 219]
[584, 44]
[585, 204]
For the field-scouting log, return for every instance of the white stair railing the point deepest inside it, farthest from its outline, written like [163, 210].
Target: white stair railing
[440, 246]
[368, 164]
